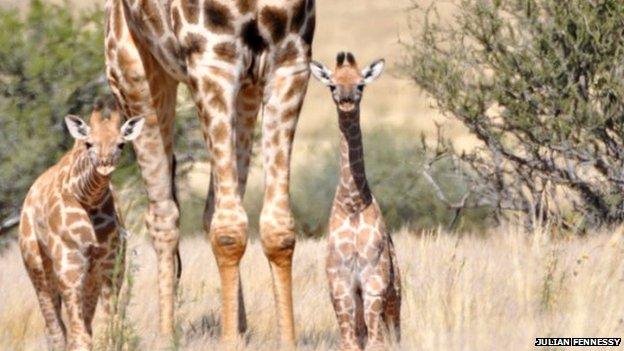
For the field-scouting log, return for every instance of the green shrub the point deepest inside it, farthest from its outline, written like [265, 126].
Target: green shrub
[540, 83]
[51, 64]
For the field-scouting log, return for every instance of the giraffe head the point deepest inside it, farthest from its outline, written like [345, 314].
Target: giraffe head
[104, 138]
[346, 81]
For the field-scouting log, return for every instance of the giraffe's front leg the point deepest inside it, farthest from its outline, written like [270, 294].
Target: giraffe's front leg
[375, 284]
[214, 82]
[72, 275]
[91, 292]
[373, 316]
[286, 90]
[345, 304]
[248, 103]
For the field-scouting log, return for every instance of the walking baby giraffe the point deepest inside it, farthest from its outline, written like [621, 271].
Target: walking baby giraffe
[362, 268]
[69, 230]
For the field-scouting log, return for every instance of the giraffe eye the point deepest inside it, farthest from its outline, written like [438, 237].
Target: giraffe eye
[120, 146]
[332, 87]
[88, 144]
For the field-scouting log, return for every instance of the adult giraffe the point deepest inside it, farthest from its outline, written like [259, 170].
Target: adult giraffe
[235, 56]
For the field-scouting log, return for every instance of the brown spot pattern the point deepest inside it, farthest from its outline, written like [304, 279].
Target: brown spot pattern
[190, 8]
[194, 44]
[245, 6]
[252, 38]
[220, 132]
[217, 101]
[308, 34]
[299, 14]
[225, 51]
[275, 19]
[297, 87]
[287, 55]
[217, 17]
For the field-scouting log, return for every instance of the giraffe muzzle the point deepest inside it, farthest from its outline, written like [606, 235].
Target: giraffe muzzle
[346, 105]
[105, 168]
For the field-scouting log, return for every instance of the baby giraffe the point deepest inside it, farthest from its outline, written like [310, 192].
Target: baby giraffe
[362, 268]
[69, 232]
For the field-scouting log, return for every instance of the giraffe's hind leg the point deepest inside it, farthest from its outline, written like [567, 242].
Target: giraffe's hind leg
[39, 270]
[360, 323]
[285, 94]
[214, 80]
[142, 87]
[248, 102]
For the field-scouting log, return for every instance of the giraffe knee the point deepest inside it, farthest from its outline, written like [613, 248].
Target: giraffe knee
[229, 246]
[228, 236]
[278, 243]
[162, 223]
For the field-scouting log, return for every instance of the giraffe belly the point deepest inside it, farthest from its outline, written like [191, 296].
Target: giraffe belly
[151, 24]
[166, 27]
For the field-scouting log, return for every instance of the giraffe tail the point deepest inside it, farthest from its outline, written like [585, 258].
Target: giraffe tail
[174, 192]
[178, 264]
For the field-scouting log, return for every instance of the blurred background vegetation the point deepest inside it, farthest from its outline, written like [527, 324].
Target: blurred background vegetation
[540, 83]
[50, 65]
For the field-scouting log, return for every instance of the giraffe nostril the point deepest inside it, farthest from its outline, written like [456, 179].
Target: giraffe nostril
[346, 100]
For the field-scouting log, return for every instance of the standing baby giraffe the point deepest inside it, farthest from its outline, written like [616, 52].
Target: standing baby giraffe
[362, 268]
[69, 230]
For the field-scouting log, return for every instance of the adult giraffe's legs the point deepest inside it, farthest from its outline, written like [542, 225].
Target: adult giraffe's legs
[287, 86]
[215, 84]
[142, 87]
[248, 103]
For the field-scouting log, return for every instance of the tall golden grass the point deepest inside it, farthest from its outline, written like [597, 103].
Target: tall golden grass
[494, 291]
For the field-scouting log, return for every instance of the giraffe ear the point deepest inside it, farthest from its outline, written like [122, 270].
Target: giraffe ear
[132, 128]
[372, 71]
[321, 72]
[77, 127]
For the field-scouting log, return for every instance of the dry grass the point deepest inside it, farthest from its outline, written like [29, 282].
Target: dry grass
[472, 293]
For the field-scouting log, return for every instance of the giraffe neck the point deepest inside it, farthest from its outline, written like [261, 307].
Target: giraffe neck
[87, 185]
[353, 193]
